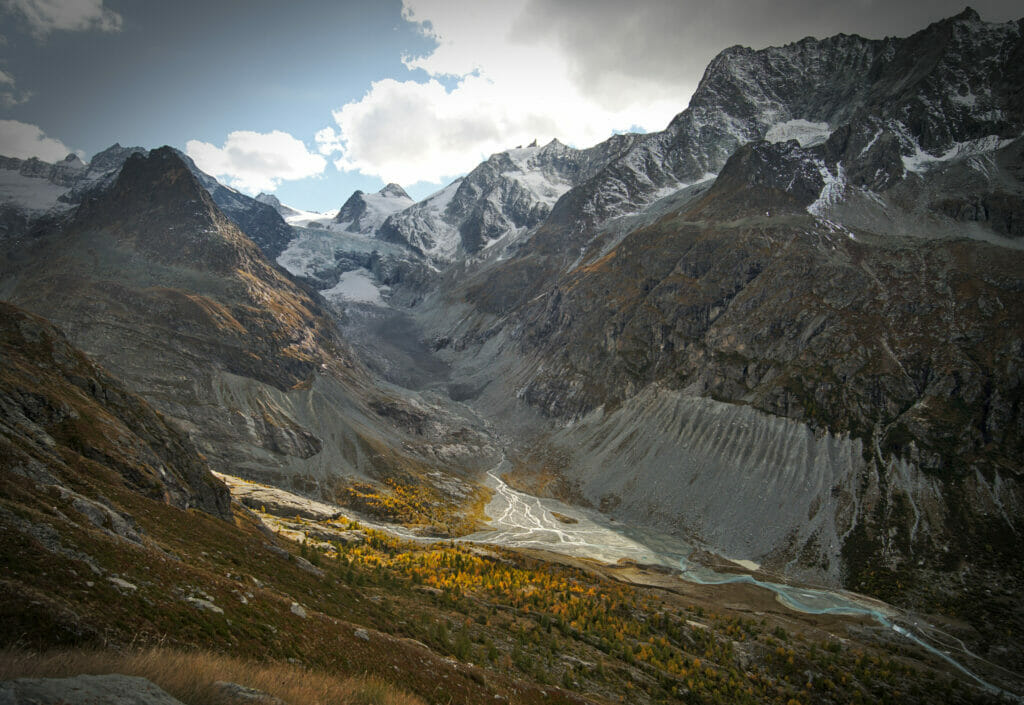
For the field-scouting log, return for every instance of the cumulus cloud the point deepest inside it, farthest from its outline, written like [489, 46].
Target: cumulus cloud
[509, 88]
[45, 16]
[255, 161]
[409, 132]
[22, 140]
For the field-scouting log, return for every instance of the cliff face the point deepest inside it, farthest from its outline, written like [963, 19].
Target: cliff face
[800, 318]
[870, 116]
[912, 350]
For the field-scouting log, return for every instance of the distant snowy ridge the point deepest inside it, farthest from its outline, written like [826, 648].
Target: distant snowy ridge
[34, 195]
[36, 187]
[503, 198]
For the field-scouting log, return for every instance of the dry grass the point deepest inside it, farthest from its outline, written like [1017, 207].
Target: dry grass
[190, 676]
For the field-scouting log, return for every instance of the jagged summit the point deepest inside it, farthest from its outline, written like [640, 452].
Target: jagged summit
[349, 206]
[159, 180]
[152, 254]
[922, 94]
[501, 199]
[393, 190]
[113, 157]
[364, 213]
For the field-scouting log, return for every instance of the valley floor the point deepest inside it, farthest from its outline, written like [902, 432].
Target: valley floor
[448, 622]
[550, 532]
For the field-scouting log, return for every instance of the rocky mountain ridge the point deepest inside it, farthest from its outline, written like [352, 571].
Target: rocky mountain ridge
[509, 193]
[765, 179]
[851, 270]
[871, 97]
[32, 189]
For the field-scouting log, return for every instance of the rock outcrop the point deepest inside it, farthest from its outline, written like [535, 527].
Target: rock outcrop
[113, 689]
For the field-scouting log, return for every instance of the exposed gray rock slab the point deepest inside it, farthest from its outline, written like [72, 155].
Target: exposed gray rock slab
[110, 689]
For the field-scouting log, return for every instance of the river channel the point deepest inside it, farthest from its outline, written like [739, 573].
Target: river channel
[520, 520]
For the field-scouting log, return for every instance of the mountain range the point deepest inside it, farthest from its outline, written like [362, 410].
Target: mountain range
[788, 328]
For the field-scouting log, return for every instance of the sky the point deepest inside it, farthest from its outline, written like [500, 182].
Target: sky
[312, 99]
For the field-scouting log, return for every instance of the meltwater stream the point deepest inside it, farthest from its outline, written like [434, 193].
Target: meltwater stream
[523, 521]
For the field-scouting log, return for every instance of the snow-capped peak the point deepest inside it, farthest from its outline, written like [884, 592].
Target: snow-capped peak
[365, 212]
[73, 161]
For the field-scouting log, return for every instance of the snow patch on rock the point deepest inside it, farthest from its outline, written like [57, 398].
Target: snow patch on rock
[365, 212]
[920, 160]
[31, 194]
[807, 133]
[833, 190]
[356, 286]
